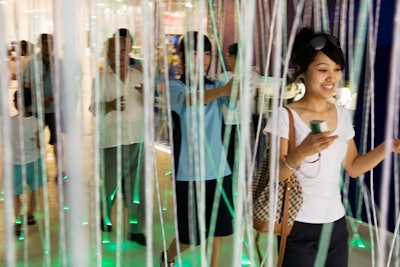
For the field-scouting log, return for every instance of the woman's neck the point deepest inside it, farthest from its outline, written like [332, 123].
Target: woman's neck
[314, 106]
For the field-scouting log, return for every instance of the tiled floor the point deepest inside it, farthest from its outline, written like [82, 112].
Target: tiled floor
[31, 251]
[41, 246]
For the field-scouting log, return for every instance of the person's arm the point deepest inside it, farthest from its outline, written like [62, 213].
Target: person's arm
[109, 106]
[213, 94]
[37, 140]
[104, 106]
[113, 104]
[356, 164]
[311, 145]
[284, 171]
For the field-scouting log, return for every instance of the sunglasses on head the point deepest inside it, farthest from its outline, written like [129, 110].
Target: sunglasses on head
[319, 42]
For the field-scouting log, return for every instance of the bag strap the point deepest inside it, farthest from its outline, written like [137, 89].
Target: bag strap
[292, 130]
[285, 217]
[285, 225]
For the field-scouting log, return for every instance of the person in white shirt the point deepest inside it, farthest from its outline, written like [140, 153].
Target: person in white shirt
[318, 158]
[232, 117]
[40, 76]
[119, 102]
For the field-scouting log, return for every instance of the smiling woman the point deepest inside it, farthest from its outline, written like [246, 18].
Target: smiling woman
[319, 63]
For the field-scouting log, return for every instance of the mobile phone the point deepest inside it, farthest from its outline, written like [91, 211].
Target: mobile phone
[318, 126]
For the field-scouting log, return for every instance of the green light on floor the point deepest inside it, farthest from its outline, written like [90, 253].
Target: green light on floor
[357, 242]
[136, 197]
[133, 219]
[105, 239]
[111, 198]
[164, 208]
[46, 252]
[108, 262]
[66, 207]
[85, 223]
[190, 262]
[108, 221]
[125, 245]
[168, 173]
[245, 260]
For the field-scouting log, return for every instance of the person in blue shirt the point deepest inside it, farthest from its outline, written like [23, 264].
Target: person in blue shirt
[199, 155]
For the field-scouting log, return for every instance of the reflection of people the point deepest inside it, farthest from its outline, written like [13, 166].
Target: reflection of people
[42, 65]
[318, 158]
[133, 62]
[26, 156]
[26, 50]
[11, 62]
[187, 136]
[122, 124]
[233, 118]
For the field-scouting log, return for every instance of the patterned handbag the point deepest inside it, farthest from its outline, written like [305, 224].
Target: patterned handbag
[290, 199]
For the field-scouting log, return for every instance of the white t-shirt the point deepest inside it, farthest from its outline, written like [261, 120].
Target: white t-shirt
[232, 117]
[30, 130]
[132, 118]
[320, 181]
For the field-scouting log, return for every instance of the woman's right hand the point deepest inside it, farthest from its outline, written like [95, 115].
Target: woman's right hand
[230, 88]
[315, 143]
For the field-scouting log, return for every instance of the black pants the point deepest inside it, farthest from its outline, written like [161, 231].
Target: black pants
[303, 243]
[231, 144]
[187, 206]
[50, 121]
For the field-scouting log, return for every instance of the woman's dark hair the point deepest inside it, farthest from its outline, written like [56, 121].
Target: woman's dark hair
[26, 48]
[44, 38]
[233, 49]
[308, 43]
[190, 39]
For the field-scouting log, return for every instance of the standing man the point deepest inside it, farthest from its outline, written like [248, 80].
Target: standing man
[119, 102]
[40, 76]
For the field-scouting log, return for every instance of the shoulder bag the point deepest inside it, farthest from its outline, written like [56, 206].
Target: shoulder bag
[289, 200]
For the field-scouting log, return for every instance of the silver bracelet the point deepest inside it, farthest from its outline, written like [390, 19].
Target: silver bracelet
[284, 159]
